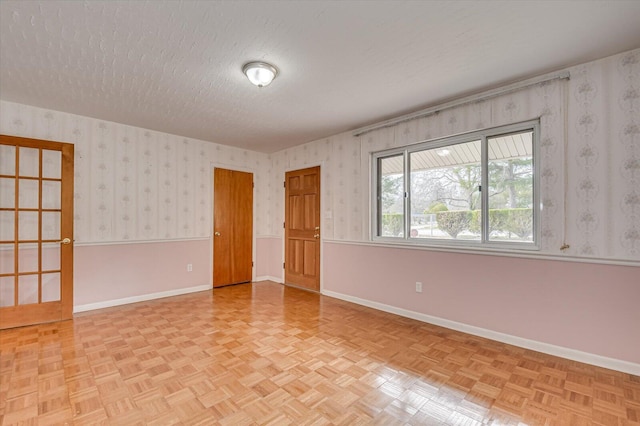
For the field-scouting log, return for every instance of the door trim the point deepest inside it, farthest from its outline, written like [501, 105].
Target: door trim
[320, 164]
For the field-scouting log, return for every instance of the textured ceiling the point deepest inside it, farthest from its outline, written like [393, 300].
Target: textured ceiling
[176, 66]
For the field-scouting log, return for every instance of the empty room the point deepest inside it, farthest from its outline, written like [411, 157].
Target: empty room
[319, 212]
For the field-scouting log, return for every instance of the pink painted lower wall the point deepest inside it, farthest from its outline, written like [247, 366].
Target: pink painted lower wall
[593, 308]
[269, 257]
[109, 272]
[262, 256]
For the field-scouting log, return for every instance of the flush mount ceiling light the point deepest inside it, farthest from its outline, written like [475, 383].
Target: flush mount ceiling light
[260, 73]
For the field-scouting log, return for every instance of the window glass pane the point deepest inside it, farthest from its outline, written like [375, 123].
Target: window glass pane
[511, 187]
[7, 160]
[445, 195]
[391, 196]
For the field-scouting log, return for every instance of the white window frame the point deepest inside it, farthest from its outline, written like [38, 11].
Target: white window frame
[484, 242]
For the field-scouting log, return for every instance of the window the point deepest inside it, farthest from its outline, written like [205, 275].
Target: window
[477, 189]
[391, 200]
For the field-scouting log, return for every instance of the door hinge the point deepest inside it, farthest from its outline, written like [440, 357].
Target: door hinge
[282, 265]
[252, 263]
[284, 184]
[283, 225]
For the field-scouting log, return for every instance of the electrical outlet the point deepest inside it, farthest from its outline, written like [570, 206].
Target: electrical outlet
[189, 267]
[418, 287]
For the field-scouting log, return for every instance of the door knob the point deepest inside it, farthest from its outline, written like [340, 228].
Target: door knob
[316, 236]
[317, 228]
[65, 241]
[217, 234]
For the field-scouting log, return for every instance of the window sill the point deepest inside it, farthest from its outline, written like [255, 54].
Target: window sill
[459, 245]
[484, 251]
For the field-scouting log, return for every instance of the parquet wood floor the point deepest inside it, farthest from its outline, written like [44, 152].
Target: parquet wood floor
[271, 355]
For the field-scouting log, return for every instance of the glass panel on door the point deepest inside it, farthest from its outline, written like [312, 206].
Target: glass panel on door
[51, 164]
[7, 288]
[28, 257]
[7, 259]
[51, 226]
[29, 162]
[27, 289]
[51, 287]
[7, 160]
[50, 256]
[7, 225]
[51, 194]
[28, 226]
[7, 192]
[28, 193]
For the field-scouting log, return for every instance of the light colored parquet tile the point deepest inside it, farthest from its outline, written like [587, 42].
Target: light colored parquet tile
[264, 354]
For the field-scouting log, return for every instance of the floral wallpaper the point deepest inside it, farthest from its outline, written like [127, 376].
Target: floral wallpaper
[136, 184]
[604, 152]
[589, 156]
[133, 184]
[346, 171]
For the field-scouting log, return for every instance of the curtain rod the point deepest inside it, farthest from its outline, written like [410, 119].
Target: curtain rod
[562, 75]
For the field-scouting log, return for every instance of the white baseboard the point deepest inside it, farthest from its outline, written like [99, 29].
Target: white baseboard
[141, 298]
[269, 278]
[572, 354]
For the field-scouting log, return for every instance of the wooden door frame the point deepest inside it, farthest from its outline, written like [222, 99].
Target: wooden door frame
[215, 165]
[284, 214]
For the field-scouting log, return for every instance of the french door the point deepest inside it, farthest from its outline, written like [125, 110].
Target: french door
[36, 231]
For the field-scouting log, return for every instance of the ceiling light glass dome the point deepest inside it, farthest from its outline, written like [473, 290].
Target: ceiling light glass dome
[260, 73]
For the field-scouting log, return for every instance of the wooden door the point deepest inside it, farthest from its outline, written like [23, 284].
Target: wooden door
[302, 228]
[232, 226]
[36, 231]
